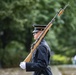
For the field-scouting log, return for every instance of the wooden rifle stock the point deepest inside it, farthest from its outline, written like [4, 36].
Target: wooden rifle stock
[42, 35]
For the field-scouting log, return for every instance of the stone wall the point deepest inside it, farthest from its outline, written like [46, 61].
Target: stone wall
[18, 71]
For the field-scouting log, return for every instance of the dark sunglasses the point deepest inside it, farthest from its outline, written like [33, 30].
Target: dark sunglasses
[35, 33]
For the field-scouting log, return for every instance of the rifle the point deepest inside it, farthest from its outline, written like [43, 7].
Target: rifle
[42, 35]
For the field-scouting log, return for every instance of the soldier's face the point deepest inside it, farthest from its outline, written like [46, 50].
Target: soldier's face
[36, 35]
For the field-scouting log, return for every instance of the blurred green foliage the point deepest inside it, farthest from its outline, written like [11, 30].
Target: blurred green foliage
[59, 59]
[16, 20]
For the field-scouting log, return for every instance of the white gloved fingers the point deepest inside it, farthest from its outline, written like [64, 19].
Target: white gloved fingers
[23, 65]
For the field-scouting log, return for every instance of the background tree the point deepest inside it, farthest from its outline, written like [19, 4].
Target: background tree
[16, 20]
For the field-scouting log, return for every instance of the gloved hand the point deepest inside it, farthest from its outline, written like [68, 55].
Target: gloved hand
[23, 65]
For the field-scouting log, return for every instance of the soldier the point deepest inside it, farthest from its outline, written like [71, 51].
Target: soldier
[40, 57]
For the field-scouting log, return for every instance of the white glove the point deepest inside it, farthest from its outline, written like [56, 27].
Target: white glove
[23, 65]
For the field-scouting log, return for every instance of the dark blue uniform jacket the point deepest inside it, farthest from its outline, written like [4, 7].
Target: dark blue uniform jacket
[40, 60]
